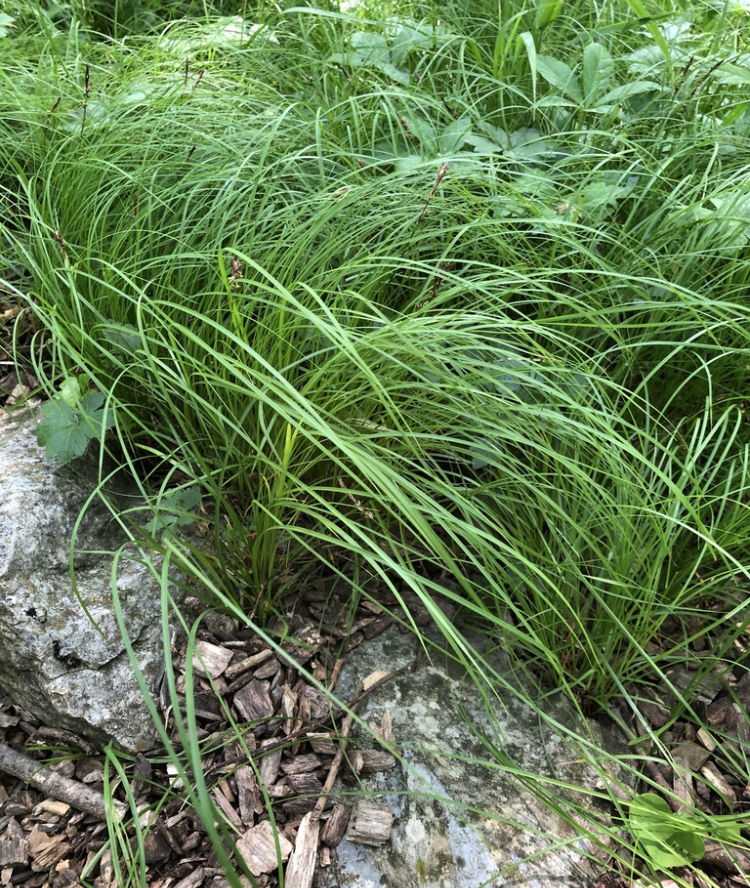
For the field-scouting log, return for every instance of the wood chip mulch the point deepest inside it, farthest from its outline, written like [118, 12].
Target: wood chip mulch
[286, 751]
[271, 777]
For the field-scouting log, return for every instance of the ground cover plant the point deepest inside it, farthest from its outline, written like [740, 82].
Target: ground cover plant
[440, 292]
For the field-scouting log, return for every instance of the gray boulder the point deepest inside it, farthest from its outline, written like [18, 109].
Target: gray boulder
[66, 668]
[461, 818]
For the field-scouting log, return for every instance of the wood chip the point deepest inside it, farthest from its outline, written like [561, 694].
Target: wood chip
[370, 761]
[706, 739]
[301, 763]
[305, 642]
[723, 714]
[210, 660]
[268, 669]
[690, 756]
[682, 783]
[718, 783]
[370, 823]
[254, 702]
[322, 744]
[259, 851]
[61, 809]
[194, 880]
[373, 678]
[13, 851]
[45, 851]
[301, 867]
[305, 784]
[225, 807]
[249, 796]
[269, 767]
[335, 827]
[247, 664]
[289, 699]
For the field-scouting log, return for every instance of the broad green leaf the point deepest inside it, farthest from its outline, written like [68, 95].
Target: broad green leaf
[408, 38]
[92, 418]
[423, 131]
[397, 75]
[373, 47]
[527, 38]
[728, 832]
[732, 75]
[616, 95]
[661, 854]
[598, 68]
[689, 842]
[454, 135]
[70, 391]
[482, 145]
[6, 23]
[559, 75]
[123, 337]
[60, 433]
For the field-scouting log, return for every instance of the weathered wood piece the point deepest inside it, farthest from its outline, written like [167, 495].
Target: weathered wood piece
[690, 756]
[370, 761]
[247, 664]
[249, 795]
[194, 880]
[305, 784]
[45, 851]
[706, 739]
[301, 867]
[335, 827]
[225, 807]
[269, 767]
[259, 851]
[301, 763]
[322, 743]
[370, 823]
[718, 783]
[254, 701]
[13, 851]
[63, 788]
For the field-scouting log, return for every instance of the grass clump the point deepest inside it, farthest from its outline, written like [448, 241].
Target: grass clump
[436, 294]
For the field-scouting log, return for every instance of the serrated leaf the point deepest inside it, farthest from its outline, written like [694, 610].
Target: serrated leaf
[370, 45]
[424, 132]
[60, 433]
[92, 419]
[175, 510]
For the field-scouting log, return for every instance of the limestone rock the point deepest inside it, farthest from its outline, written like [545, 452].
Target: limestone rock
[461, 820]
[54, 661]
